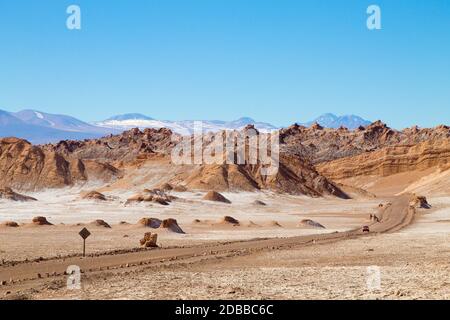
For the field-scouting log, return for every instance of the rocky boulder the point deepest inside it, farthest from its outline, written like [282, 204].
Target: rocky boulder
[41, 221]
[230, 220]
[171, 225]
[156, 196]
[150, 222]
[100, 223]
[10, 224]
[94, 195]
[149, 240]
[420, 202]
[9, 194]
[215, 196]
[310, 223]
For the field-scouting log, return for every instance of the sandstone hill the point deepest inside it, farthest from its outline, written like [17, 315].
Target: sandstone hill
[134, 150]
[318, 145]
[390, 160]
[125, 147]
[27, 167]
[311, 159]
[294, 176]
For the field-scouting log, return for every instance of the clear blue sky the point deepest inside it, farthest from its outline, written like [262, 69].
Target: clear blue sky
[280, 61]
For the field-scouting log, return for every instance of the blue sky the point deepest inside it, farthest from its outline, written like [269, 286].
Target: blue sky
[280, 61]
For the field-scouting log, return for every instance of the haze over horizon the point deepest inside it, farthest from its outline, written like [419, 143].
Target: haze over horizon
[274, 62]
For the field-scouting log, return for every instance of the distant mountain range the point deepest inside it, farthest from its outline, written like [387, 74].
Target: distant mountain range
[136, 120]
[133, 120]
[329, 120]
[40, 127]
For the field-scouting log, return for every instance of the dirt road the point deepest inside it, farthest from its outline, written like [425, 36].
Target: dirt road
[26, 274]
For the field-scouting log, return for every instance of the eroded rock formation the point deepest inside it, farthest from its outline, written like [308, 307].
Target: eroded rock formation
[389, 160]
[27, 167]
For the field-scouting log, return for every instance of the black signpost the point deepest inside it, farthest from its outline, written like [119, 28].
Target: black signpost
[84, 234]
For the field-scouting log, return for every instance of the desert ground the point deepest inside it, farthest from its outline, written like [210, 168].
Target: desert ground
[413, 265]
[280, 217]
[317, 268]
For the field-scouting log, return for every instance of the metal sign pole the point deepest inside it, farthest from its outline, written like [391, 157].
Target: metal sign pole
[84, 234]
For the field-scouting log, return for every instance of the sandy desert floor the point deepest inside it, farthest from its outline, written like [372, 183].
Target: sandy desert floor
[69, 215]
[413, 262]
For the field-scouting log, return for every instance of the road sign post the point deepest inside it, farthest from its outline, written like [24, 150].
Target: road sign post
[84, 233]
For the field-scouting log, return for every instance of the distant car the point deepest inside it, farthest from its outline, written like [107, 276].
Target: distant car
[366, 229]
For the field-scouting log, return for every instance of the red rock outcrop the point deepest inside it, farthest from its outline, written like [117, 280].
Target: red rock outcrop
[389, 160]
[230, 220]
[311, 224]
[294, 176]
[150, 222]
[171, 225]
[420, 202]
[27, 167]
[149, 240]
[155, 195]
[9, 194]
[322, 145]
[94, 195]
[215, 196]
[378, 147]
[9, 224]
[127, 146]
[41, 221]
[100, 223]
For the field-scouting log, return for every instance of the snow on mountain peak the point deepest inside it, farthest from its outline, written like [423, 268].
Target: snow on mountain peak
[39, 115]
[129, 116]
[128, 121]
[329, 120]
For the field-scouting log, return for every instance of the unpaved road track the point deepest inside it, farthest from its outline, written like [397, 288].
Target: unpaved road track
[25, 274]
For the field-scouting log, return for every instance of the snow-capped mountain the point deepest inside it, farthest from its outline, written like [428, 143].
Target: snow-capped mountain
[129, 116]
[57, 121]
[329, 120]
[39, 127]
[128, 121]
[6, 119]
